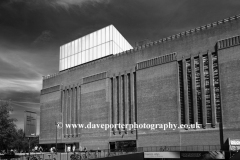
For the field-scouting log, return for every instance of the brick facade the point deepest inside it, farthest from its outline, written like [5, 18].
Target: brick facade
[142, 85]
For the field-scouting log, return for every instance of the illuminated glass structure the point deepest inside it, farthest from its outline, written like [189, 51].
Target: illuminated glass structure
[103, 42]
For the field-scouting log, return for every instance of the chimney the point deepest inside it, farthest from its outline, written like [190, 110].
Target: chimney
[142, 42]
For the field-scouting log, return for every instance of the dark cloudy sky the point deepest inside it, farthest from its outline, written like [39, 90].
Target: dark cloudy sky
[31, 32]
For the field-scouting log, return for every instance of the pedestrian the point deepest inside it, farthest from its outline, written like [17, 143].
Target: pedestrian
[36, 148]
[12, 152]
[40, 149]
[69, 148]
[73, 148]
[51, 149]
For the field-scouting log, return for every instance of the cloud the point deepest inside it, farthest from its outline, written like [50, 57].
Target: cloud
[45, 37]
[19, 85]
[20, 78]
[14, 66]
[67, 4]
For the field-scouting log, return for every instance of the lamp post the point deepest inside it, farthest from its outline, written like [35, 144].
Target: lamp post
[28, 148]
[56, 135]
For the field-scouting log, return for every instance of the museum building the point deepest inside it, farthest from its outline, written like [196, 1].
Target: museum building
[188, 78]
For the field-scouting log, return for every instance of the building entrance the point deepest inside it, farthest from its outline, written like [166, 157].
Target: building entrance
[129, 145]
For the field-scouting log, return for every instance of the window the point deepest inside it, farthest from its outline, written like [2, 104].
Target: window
[202, 77]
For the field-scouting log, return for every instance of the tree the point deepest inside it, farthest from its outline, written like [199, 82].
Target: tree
[20, 142]
[7, 126]
[10, 136]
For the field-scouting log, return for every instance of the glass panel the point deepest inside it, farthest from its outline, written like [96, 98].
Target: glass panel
[66, 50]
[111, 47]
[107, 48]
[60, 55]
[98, 37]
[80, 44]
[62, 64]
[91, 41]
[114, 37]
[87, 55]
[75, 59]
[107, 34]
[110, 33]
[103, 50]
[103, 35]
[121, 43]
[98, 51]
[65, 63]
[79, 58]
[62, 52]
[83, 56]
[124, 45]
[69, 62]
[72, 61]
[94, 52]
[94, 39]
[114, 48]
[72, 47]
[90, 54]
[117, 38]
[76, 46]
[87, 41]
[117, 48]
[69, 49]
[83, 43]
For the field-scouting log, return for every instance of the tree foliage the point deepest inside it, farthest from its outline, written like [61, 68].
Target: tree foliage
[10, 136]
[7, 126]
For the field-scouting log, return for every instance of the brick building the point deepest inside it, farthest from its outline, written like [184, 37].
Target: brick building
[186, 78]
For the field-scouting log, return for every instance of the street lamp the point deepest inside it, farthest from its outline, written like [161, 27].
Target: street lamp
[56, 134]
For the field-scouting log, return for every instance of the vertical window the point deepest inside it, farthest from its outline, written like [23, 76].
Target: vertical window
[117, 79]
[198, 89]
[216, 86]
[129, 98]
[68, 110]
[189, 90]
[62, 106]
[76, 105]
[181, 91]
[135, 96]
[204, 92]
[64, 110]
[123, 98]
[112, 102]
[207, 88]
